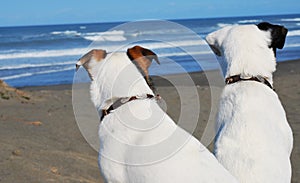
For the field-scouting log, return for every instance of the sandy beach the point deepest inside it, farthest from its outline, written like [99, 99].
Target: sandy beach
[40, 140]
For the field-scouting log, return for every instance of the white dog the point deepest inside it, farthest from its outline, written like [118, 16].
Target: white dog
[139, 142]
[254, 140]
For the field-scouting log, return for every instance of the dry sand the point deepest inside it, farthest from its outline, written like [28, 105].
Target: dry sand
[41, 142]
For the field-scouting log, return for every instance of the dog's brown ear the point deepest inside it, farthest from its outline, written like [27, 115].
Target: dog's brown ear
[278, 34]
[142, 58]
[96, 54]
[138, 52]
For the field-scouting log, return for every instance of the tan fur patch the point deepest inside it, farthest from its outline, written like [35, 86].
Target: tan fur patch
[97, 54]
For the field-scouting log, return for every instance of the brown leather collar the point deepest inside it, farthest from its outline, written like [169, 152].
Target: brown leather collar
[237, 78]
[122, 101]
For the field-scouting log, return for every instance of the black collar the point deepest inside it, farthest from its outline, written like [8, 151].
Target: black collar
[122, 101]
[237, 78]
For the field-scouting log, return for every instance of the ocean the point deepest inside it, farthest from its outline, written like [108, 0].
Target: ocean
[46, 55]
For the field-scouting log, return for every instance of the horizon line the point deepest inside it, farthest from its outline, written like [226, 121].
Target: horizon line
[123, 21]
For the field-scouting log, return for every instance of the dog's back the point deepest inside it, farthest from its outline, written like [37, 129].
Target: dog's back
[254, 139]
[161, 153]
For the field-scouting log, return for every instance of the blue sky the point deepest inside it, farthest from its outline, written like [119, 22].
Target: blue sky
[39, 12]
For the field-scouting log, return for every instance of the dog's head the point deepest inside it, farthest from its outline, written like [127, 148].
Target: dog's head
[140, 57]
[118, 74]
[247, 49]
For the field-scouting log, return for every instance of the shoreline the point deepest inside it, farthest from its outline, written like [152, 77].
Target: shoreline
[158, 79]
[41, 140]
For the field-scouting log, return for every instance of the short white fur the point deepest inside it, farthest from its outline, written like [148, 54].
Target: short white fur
[254, 140]
[115, 77]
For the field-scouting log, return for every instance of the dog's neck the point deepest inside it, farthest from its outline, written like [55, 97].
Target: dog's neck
[251, 70]
[116, 77]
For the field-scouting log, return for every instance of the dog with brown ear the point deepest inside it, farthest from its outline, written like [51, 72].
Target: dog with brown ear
[254, 140]
[142, 58]
[139, 142]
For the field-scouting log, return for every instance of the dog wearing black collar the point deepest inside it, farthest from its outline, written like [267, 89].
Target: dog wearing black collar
[139, 142]
[254, 140]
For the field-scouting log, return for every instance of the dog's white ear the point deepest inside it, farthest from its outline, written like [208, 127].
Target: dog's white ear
[216, 38]
[142, 58]
[213, 44]
[278, 34]
[95, 55]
